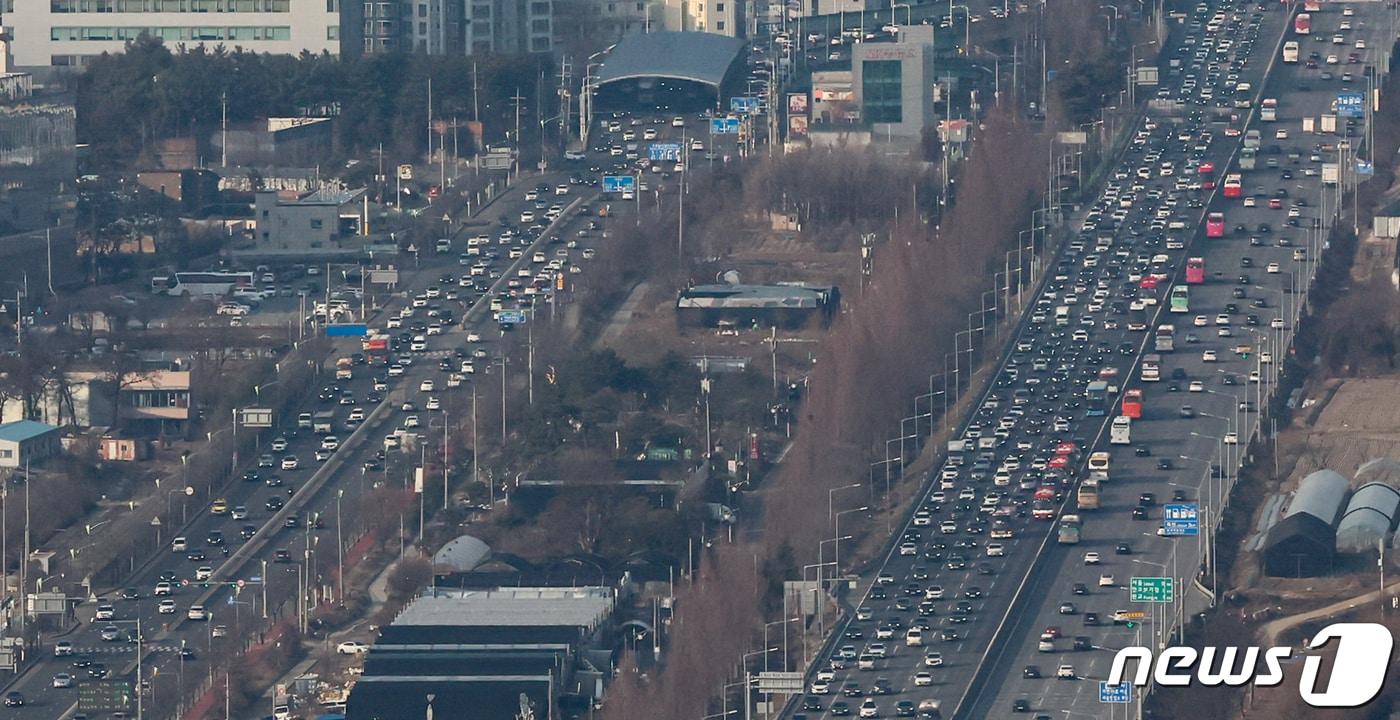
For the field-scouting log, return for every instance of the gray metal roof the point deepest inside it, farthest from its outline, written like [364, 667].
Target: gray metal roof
[531, 607]
[701, 57]
[1368, 518]
[1320, 494]
[753, 296]
[1382, 470]
[463, 554]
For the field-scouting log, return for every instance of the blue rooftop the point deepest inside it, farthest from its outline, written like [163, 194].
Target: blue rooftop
[21, 430]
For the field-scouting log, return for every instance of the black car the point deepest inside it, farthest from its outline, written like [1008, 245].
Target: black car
[215, 538]
[1082, 643]
[282, 556]
[904, 708]
[1031, 672]
[1123, 548]
[131, 594]
[1164, 464]
[1091, 618]
[167, 576]
[274, 503]
[812, 703]
[14, 699]
[1140, 513]
[840, 708]
[195, 556]
[1142, 451]
[1147, 498]
[1080, 589]
[291, 522]
[881, 687]
[247, 531]
[1021, 705]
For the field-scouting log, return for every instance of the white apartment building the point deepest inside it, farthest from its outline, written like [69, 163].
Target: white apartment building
[721, 17]
[64, 33]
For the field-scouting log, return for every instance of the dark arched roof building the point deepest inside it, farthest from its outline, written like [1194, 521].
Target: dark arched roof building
[1304, 542]
[672, 72]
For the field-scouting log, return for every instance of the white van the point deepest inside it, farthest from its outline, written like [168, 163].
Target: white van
[914, 637]
[1062, 315]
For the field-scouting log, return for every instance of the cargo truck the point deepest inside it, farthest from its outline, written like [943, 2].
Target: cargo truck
[1268, 110]
[1069, 530]
[1087, 497]
[1165, 339]
[343, 369]
[324, 422]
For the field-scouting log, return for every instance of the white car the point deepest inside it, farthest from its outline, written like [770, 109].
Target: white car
[63, 680]
[105, 612]
[330, 442]
[923, 678]
[166, 607]
[433, 404]
[1208, 356]
[1280, 134]
[290, 462]
[196, 612]
[996, 550]
[1106, 580]
[821, 687]
[279, 444]
[412, 421]
[1272, 268]
[351, 647]
[1200, 321]
[203, 572]
[473, 337]
[1196, 386]
[163, 588]
[1231, 439]
[425, 386]
[1091, 558]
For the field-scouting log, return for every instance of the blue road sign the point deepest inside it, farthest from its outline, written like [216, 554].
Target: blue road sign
[665, 151]
[1351, 105]
[347, 330]
[745, 105]
[1365, 168]
[619, 183]
[1122, 693]
[511, 317]
[1181, 519]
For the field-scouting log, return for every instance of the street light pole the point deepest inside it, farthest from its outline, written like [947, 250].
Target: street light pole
[339, 546]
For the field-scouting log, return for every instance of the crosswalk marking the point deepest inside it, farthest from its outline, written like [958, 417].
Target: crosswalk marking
[117, 648]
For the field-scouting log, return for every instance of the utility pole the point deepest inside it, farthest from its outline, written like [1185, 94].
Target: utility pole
[223, 138]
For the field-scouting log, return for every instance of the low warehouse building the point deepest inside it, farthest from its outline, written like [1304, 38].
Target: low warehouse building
[744, 306]
[1304, 542]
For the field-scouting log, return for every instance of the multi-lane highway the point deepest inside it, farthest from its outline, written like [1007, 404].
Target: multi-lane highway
[936, 621]
[442, 322]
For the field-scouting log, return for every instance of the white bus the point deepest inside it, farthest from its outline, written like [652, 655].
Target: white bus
[201, 283]
[1290, 51]
[1120, 433]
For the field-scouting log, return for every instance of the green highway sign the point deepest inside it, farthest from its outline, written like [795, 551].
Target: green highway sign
[105, 696]
[1151, 590]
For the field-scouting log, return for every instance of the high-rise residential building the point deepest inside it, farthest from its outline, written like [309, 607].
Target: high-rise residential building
[66, 33]
[510, 27]
[721, 17]
[434, 27]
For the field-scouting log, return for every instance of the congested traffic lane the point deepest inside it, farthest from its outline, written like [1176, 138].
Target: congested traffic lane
[263, 489]
[1195, 433]
[950, 672]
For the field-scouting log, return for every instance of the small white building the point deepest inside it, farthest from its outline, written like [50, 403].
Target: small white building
[27, 442]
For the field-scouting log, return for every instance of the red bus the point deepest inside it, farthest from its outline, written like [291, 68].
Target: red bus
[1215, 225]
[1195, 271]
[1132, 404]
[1302, 25]
[1234, 185]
